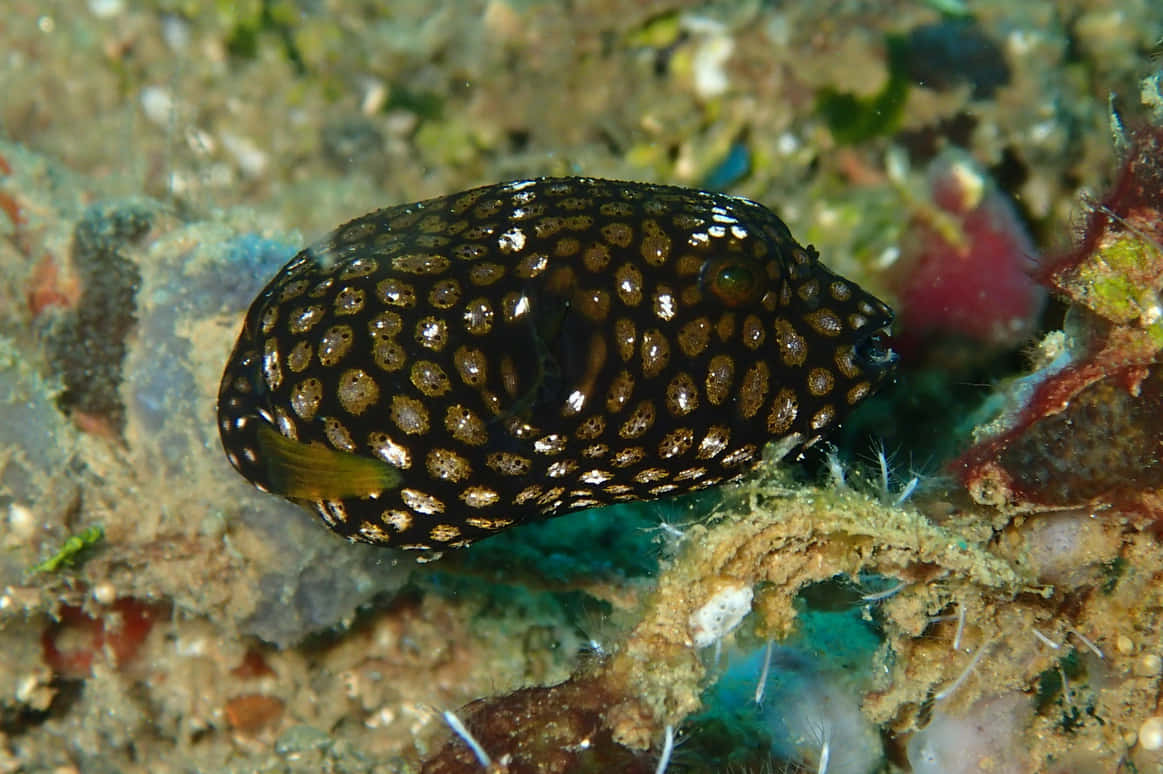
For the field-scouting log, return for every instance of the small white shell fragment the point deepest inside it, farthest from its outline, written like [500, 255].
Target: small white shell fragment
[105, 593]
[249, 157]
[22, 521]
[106, 9]
[1151, 733]
[158, 104]
[720, 614]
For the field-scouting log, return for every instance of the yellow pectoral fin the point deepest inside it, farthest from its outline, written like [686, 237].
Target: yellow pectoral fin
[302, 471]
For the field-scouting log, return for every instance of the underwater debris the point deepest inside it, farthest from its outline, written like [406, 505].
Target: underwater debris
[72, 643]
[252, 712]
[1084, 430]
[544, 730]
[435, 372]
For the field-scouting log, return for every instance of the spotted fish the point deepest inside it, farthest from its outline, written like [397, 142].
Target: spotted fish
[432, 373]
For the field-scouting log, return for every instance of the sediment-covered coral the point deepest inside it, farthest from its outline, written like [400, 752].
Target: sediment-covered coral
[656, 675]
[87, 347]
[981, 739]
[1085, 428]
[560, 729]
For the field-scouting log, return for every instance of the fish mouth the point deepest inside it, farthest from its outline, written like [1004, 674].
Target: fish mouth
[873, 353]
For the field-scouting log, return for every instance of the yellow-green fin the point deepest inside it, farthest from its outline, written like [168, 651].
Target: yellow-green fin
[303, 471]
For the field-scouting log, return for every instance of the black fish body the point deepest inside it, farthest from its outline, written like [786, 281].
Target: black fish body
[434, 372]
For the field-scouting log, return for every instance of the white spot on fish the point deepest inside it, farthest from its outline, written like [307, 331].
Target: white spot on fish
[512, 241]
[576, 401]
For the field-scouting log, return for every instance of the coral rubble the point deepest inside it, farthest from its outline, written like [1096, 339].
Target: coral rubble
[1085, 428]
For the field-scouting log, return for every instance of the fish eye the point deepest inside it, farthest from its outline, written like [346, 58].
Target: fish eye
[874, 353]
[734, 282]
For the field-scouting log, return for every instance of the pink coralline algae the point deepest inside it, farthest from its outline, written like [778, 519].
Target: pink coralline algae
[1086, 428]
[966, 263]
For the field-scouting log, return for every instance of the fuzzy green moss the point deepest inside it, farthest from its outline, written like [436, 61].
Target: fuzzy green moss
[1111, 282]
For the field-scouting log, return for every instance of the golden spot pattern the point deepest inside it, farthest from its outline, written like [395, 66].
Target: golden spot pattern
[389, 355]
[591, 427]
[682, 395]
[443, 533]
[675, 443]
[535, 347]
[432, 332]
[350, 300]
[396, 292]
[447, 465]
[720, 374]
[625, 337]
[639, 421]
[472, 365]
[753, 389]
[303, 319]
[628, 281]
[655, 352]
[357, 391]
[783, 411]
[509, 464]
[820, 382]
[306, 397]
[694, 336]
[410, 414]
[429, 378]
[300, 356]
[479, 496]
[390, 451]
[272, 371]
[335, 344]
[620, 391]
[337, 434]
[445, 294]
[465, 426]
[478, 317]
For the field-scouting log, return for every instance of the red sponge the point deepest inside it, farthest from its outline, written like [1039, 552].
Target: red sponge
[966, 263]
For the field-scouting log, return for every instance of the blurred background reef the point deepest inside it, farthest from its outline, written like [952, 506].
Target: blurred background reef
[968, 576]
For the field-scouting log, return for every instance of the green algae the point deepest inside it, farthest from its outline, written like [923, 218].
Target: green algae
[1112, 283]
[72, 551]
[854, 119]
[656, 32]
